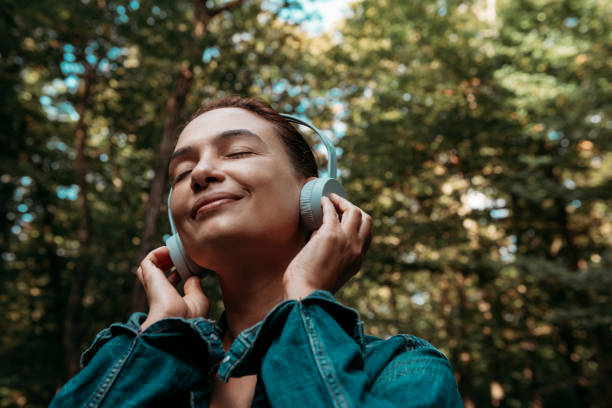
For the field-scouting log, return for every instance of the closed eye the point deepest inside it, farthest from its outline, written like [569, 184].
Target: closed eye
[181, 176]
[238, 155]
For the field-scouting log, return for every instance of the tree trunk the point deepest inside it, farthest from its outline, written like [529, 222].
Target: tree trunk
[174, 109]
[71, 341]
[57, 306]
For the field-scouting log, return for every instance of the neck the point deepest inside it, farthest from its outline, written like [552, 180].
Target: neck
[248, 304]
[252, 289]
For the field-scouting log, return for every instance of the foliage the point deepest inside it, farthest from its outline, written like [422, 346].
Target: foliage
[479, 140]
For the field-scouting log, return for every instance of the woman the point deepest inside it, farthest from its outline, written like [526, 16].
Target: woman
[283, 340]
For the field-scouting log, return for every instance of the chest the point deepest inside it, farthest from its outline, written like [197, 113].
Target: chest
[236, 393]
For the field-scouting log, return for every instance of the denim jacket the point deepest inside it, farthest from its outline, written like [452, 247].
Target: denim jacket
[308, 353]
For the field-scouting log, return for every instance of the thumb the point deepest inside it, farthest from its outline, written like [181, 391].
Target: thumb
[195, 298]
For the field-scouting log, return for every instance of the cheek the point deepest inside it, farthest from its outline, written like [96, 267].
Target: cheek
[179, 204]
[278, 201]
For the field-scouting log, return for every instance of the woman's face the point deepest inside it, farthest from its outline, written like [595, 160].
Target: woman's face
[233, 185]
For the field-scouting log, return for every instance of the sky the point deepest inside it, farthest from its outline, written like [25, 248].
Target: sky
[330, 12]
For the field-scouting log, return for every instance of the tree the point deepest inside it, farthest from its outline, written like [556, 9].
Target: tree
[466, 139]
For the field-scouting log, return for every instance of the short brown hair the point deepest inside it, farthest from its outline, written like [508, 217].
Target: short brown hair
[300, 154]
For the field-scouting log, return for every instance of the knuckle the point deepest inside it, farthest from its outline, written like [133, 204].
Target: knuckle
[356, 212]
[368, 219]
[333, 237]
[144, 273]
[336, 237]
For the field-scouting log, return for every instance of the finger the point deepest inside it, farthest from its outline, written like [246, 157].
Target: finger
[195, 297]
[166, 265]
[160, 256]
[153, 278]
[330, 216]
[139, 275]
[365, 231]
[340, 202]
[365, 227]
[351, 214]
[351, 220]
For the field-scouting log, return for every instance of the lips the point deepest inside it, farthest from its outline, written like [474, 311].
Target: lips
[211, 201]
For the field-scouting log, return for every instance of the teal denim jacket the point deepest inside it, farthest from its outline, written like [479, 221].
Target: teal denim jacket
[308, 353]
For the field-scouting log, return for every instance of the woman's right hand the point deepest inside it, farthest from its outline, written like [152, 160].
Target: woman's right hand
[164, 300]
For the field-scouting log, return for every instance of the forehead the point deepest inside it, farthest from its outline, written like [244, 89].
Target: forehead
[205, 127]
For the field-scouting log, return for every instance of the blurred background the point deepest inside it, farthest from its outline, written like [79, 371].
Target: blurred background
[477, 134]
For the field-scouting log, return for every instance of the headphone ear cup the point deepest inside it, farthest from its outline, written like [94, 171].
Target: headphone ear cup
[310, 200]
[184, 265]
[306, 210]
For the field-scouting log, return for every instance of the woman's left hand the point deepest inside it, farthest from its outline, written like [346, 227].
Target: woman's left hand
[334, 252]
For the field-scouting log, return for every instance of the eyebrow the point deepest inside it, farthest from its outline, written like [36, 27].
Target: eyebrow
[226, 135]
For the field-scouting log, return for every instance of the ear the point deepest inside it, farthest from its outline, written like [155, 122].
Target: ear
[306, 180]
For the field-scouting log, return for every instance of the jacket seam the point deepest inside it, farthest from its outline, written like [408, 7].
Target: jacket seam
[109, 379]
[413, 342]
[324, 366]
[238, 358]
[98, 342]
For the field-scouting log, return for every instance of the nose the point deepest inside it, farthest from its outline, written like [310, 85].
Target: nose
[205, 173]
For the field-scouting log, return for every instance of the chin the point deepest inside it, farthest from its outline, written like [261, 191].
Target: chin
[219, 239]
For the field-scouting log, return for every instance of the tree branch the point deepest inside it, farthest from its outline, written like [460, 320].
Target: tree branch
[227, 6]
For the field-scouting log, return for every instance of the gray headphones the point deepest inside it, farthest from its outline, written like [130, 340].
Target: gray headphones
[311, 211]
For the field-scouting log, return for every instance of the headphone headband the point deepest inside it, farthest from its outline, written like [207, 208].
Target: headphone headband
[172, 227]
[332, 161]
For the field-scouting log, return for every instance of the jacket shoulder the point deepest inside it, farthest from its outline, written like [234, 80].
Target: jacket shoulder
[408, 365]
[399, 341]
[403, 352]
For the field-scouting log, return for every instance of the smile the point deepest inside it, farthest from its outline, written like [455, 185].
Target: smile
[212, 202]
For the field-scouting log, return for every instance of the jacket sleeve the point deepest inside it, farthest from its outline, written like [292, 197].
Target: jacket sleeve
[124, 367]
[319, 359]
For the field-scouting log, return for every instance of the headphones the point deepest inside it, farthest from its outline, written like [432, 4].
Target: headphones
[311, 211]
